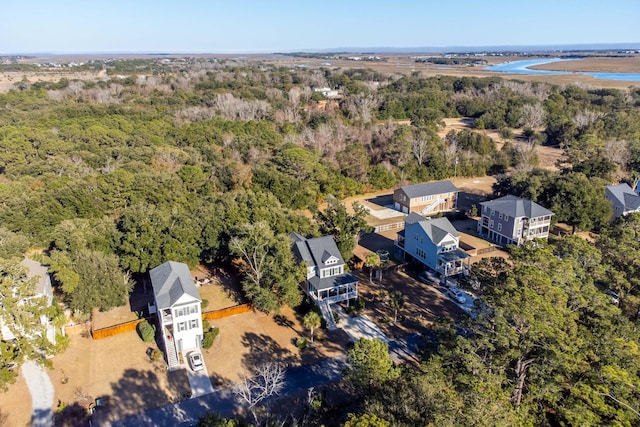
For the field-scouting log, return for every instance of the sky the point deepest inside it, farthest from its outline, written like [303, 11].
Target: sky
[246, 26]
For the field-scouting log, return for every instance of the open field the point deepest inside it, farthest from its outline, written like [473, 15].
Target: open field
[595, 64]
[389, 64]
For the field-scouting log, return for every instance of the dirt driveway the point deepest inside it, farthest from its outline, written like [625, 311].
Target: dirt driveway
[424, 304]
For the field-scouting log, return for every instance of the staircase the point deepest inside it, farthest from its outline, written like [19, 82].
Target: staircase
[325, 309]
[172, 356]
[432, 206]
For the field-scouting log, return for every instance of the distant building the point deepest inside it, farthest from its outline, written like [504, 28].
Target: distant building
[427, 198]
[433, 243]
[178, 306]
[623, 199]
[511, 220]
[327, 92]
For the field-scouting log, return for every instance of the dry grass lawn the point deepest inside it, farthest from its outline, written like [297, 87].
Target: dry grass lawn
[118, 367]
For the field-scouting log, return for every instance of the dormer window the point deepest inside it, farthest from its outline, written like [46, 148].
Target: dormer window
[331, 261]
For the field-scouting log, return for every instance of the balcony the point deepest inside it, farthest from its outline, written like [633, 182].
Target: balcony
[167, 318]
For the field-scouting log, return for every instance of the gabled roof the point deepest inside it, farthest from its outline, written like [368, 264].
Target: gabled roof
[437, 229]
[516, 207]
[35, 269]
[316, 251]
[429, 188]
[625, 196]
[171, 281]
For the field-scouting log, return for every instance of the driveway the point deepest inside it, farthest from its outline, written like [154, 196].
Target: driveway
[199, 381]
[359, 326]
[41, 391]
[224, 402]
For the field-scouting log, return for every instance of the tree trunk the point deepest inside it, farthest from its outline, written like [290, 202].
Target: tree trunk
[521, 375]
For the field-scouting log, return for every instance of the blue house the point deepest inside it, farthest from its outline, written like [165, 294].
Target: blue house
[434, 244]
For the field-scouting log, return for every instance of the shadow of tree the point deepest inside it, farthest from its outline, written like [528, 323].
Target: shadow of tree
[42, 417]
[467, 199]
[283, 321]
[263, 349]
[137, 391]
[70, 416]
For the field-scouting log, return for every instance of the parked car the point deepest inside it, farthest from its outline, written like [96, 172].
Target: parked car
[429, 277]
[457, 295]
[195, 361]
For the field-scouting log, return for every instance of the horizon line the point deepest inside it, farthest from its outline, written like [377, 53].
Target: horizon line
[371, 49]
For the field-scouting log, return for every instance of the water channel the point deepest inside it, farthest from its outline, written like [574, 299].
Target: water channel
[522, 67]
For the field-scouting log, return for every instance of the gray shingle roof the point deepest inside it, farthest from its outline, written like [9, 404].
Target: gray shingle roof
[516, 207]
[171, 281]
[437, 228]
[332, 282]
[35, 269]
[429, 188]
[316, 251]
[625, 196]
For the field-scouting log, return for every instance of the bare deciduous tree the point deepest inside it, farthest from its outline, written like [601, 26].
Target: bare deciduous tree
[361, 106]
[420, 148]
[618, 152]
[587, 118]
[532, 115]
[267, 381]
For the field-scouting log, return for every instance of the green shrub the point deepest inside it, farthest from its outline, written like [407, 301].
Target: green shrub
[209, 337]
[302, 343]
[204, 304]
[147, 331]
[156, 355]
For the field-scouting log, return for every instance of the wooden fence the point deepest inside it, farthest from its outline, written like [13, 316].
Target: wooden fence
[110, 331]
[131, 325]
[226, 312]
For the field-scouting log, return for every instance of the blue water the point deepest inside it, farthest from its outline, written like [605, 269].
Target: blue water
[522, 67]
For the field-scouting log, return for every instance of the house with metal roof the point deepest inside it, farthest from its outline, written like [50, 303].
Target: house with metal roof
[427, 198]
[327, 282]
[510, 220]
[623, 199]
[178, 306]
[433, 242]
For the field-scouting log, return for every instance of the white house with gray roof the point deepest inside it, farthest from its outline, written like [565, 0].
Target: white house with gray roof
[433, 243]
[40, 275]
[427, 198]
[511, 220]
[178, 305]
[623, 199]
[327, 282]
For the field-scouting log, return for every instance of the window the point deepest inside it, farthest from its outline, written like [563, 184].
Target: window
[499, 226]
[500, 215]
[426, 198]
[182, 326]
[493, 213]
[331, 261]
[421, 253]
[193, 309]
[180, 312]
[193, 323]
[490, 223]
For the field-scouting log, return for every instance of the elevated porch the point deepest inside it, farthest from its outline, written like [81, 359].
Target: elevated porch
[454, 262]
